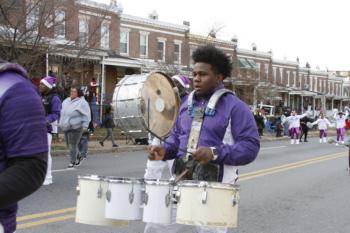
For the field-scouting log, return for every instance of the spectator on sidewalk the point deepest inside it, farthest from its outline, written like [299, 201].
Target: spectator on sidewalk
[23, 142]
[52, 106]
[279, 127]
[75, 119]
[84, 140]
[259, 120]
[108, 123]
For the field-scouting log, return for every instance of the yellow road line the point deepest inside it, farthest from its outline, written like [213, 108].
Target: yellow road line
[243, 177]
[290, 164]
[45, 221]
[277, 170]
[45, 214]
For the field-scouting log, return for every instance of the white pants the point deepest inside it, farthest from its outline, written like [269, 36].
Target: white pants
[49, 158]
[154, 170]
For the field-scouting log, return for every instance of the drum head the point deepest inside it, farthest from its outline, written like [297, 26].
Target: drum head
[159, 104]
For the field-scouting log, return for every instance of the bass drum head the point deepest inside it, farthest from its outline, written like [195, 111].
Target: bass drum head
[159, 104]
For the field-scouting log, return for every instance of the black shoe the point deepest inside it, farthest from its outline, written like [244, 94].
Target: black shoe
[78, 162]
[101, 143]
[115, 145]
[300, 140]
[71, 165]
[306, 140]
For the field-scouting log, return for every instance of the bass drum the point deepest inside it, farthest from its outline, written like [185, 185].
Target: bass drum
[145, 102]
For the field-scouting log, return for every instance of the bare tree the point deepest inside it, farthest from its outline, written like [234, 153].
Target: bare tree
[30, 29]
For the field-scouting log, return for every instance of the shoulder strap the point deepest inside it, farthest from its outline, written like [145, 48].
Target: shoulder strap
[214, 99]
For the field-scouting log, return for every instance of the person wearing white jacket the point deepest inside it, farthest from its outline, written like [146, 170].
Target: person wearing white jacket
[340, 125]
[322, 123]
[75, 119]
[294, 125]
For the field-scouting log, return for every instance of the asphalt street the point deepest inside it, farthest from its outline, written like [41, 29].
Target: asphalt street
[287, 189]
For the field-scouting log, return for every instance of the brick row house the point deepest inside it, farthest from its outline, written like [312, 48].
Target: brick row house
[89, 40]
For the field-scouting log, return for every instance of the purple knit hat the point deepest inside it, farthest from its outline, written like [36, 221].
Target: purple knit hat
[49, 81]
[183, 80]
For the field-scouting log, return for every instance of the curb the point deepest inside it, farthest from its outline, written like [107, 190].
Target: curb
[93, 151]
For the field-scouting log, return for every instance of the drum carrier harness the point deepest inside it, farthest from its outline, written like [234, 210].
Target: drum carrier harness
[197, 171]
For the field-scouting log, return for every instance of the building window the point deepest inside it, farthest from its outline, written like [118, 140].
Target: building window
[143, 44]
[177, 53]
[161, 50]
[105, 35]
[32, 13]
[60, 31]
[124, 42]
[258, 69]
[266, 71]
[83, 31]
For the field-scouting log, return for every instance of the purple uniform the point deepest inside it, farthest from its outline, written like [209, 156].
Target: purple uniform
[22, 129]
[243, 128]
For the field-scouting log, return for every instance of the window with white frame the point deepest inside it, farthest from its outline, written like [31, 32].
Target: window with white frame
[281, 75]
[161, 50]
[266, 70]
[60, 24]
[294, 79]
[288, 78]
[274, 74]
[258, 67]
[32, 15]
[144, 44]
[124, 41]
[105, 35]
[177, 52]
[83, 30]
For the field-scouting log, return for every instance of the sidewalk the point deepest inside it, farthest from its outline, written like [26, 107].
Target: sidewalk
[59, 148]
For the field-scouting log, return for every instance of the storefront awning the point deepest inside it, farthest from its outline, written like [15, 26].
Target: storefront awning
[121, 62]
[303, 93]
[246, 63]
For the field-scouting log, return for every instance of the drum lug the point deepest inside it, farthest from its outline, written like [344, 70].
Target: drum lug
[204, 197]
[167, 200]
[108, 195]
[78, 190]
[145, 198]
[235, 199]
[99, 193]
[176, 194]
[131, 197]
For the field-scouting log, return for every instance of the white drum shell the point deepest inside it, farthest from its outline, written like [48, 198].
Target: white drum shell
[218, 211]
[156, 210]
[90, 206]
[127, 107]
[119, 205]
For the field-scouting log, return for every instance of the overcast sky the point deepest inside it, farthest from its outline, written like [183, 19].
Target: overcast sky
[314, 31]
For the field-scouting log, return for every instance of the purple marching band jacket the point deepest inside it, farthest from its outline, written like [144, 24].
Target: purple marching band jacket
[220, 120]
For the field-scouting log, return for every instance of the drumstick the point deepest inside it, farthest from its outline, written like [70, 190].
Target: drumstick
[179, 177]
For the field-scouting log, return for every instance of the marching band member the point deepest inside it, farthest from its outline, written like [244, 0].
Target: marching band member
[23, 142]
[322, 123]
[209, 154]
[340, 125]
[294, 125]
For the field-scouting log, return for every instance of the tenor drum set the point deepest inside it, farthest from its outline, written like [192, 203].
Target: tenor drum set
[142, 104]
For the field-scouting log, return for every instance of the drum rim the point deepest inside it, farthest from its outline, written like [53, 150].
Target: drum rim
[177, 111]
[124, 180]
[157, 182]
[208, 184]
[92, 177]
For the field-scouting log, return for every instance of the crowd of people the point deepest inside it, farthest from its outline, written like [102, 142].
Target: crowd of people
[297, 126]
